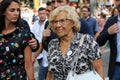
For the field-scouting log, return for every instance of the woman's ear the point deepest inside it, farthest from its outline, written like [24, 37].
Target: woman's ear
[73, 23]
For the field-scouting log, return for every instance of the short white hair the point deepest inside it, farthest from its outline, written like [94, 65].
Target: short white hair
[71, 14]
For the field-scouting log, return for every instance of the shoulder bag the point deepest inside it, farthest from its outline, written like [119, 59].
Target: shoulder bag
[91, 75]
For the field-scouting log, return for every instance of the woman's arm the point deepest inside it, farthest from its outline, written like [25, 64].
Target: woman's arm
[37, 52]
[97, 64]
[34, 44]
[28, 63]
[49, 76]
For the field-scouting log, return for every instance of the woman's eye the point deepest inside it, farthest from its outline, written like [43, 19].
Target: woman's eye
[12, 10]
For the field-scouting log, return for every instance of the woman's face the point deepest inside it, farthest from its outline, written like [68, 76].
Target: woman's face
[12, 12]
[61, 25]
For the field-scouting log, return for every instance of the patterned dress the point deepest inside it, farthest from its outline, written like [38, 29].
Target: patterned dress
[12, 47]
[60, 65]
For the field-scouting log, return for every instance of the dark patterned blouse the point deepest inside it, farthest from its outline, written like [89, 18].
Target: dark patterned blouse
[12, 47]
[87, 53]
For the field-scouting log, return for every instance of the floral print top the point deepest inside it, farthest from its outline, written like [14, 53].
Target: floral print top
[60, 65]
[12, 47]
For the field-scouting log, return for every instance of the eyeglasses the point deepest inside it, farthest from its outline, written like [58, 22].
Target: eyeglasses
[61, 21]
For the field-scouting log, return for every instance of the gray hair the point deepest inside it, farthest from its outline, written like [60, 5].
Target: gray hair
[71, 14]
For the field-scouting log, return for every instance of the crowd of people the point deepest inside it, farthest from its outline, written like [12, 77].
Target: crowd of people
[53, 40]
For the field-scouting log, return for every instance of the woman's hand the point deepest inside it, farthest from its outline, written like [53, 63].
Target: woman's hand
[33, 43]
[97, 64]
[46, 33]
[49, 76]
[113, 29]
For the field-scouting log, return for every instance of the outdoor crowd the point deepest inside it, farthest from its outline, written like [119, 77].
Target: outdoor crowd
[59, 39]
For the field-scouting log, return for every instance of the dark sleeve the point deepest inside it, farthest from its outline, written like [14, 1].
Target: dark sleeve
[37, 47]
[27, 29]
[84, 27]
[26, 26]
[26, 38]
[46, 40]
[46, 24]
[104, 35]
[45, 43]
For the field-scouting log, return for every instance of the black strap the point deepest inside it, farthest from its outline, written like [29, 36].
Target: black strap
[46, 24]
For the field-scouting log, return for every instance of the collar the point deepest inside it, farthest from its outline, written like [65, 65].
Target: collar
[75, 40]
[43, 22]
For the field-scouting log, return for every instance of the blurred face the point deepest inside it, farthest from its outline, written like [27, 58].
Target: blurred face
[61, 25]
[42, 15]
[116, 12]
[48, 10]
[0, 1]
[12, 12]
[85, 12]
[117, 2]
[57, 3]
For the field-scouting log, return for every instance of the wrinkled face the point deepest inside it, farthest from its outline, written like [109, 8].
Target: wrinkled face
[61, 25]
[118, 4]
[57, 3]
[42, 15]
[12, 12]
[85, 12]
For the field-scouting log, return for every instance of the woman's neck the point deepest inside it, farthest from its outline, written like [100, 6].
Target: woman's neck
[67, 38]
[8, 28]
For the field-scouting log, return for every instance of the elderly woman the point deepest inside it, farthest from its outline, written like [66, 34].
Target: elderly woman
[61, 51]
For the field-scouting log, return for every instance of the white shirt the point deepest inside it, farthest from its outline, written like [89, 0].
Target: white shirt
[37, 30]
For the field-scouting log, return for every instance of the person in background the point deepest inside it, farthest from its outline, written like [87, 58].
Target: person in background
[35, 16]
[92, 22]
[114, 12]
[48, 8]
[101, 22]
[15, 52]
[111, 33]
[64, 22]
[40, 54]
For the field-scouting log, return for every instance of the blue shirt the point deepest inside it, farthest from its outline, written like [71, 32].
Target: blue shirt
[84, 27]
[93, 25]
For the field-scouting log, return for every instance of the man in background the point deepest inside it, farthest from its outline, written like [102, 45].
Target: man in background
[92, 22]
[40, 54]
[111, 33]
